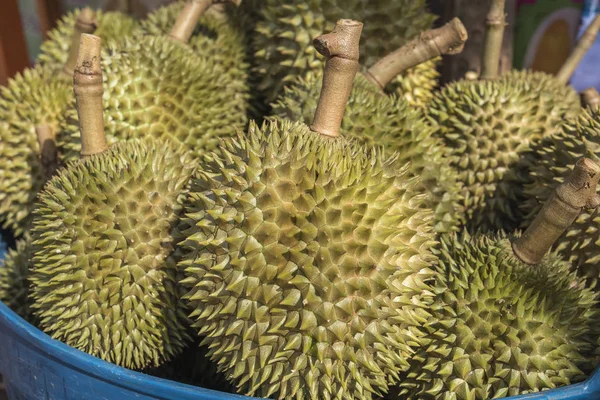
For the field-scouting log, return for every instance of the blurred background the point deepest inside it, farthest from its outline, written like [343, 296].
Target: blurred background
[540, 34]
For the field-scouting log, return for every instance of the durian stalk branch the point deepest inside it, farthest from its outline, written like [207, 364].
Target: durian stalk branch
[583, 45]
[340, 47]
[492, 42]
[86, 23]
[48, 152]
[560, 211]
[590, 97]
[449, 39]
[188, 18]
[87, 85]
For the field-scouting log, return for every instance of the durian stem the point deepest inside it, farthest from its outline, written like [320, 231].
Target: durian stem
[48, 152]
[590, 97]
[492, 43]
[188, 19]
[87, 85]
[340, 47]
[449, 39]
[583, 45]
[86, 23]
[560, 211]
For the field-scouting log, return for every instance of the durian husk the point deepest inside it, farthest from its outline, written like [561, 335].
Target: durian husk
[111, 26]
[14, 284]
[418, 84]
[306, 260]
[104, 274]
[487, 128]
[36, 96]
[283, 36]
[157, 87]
[373, 118]
[554, 157]
[500, 327]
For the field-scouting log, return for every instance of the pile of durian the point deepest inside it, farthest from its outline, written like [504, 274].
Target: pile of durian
[277, 199]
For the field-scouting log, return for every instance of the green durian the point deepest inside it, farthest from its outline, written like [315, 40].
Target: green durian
[37, 98]
[307, 256]
[418, 84]
[284, 34]
[500, 327]
[14, 285]
[108, 25]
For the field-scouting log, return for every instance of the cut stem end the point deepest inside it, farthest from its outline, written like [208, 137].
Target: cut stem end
[590, 97]
[86, 23]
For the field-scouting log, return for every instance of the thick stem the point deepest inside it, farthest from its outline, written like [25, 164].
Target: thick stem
[492, 43]
[590, 97]
[188, 19]
[449, 39]
[583, 45]
[340, 47]
[560, 211]
[86, 23]
[48, 151]
[87, 85]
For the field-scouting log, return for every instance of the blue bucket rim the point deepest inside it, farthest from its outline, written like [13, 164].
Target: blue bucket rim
[166, 389]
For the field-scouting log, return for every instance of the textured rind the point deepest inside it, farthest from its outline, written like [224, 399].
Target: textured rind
[374, 118]
[37, 96]
[487, 128]
[500, 327]
[104, 274]
[418, 84]
[155, 86]
[283, 37]
[111, 26]
[555, 158]
[302, 254]
[14, 286]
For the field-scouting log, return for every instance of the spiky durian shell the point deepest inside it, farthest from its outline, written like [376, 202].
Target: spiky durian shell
[302, 254]
[373, 118]
[104, 274]
[156, 86]
[487, 127]
[14, 285]
[500, 327]
[283, 37]
[555, 157]
[110, 26]
[417, 85]
[37, 96]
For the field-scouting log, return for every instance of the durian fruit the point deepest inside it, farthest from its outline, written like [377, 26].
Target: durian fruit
[107, 25]
[159, 86]
[508, 318]
[488, 124]
[284, 33]
[307, 255]
[104, 269]
[377, 119]
[14, 285]
[555, 156]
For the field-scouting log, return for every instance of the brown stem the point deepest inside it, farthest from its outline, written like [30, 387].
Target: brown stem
[590, 97]
[188, 18]
[449, 39]
[87, 85]
[48, 152]
[492, 43]
[560, 211]
[583, 45]
[86, 23]
[340, 47]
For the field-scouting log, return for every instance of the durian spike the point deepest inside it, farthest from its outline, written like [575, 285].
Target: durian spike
[48, 152]
[86, 23]
[190, 15]
[560, 211]
[492, 43]
[87, 85]
[590, 97]
[449, 39]
[340, 47]
[583, 45]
